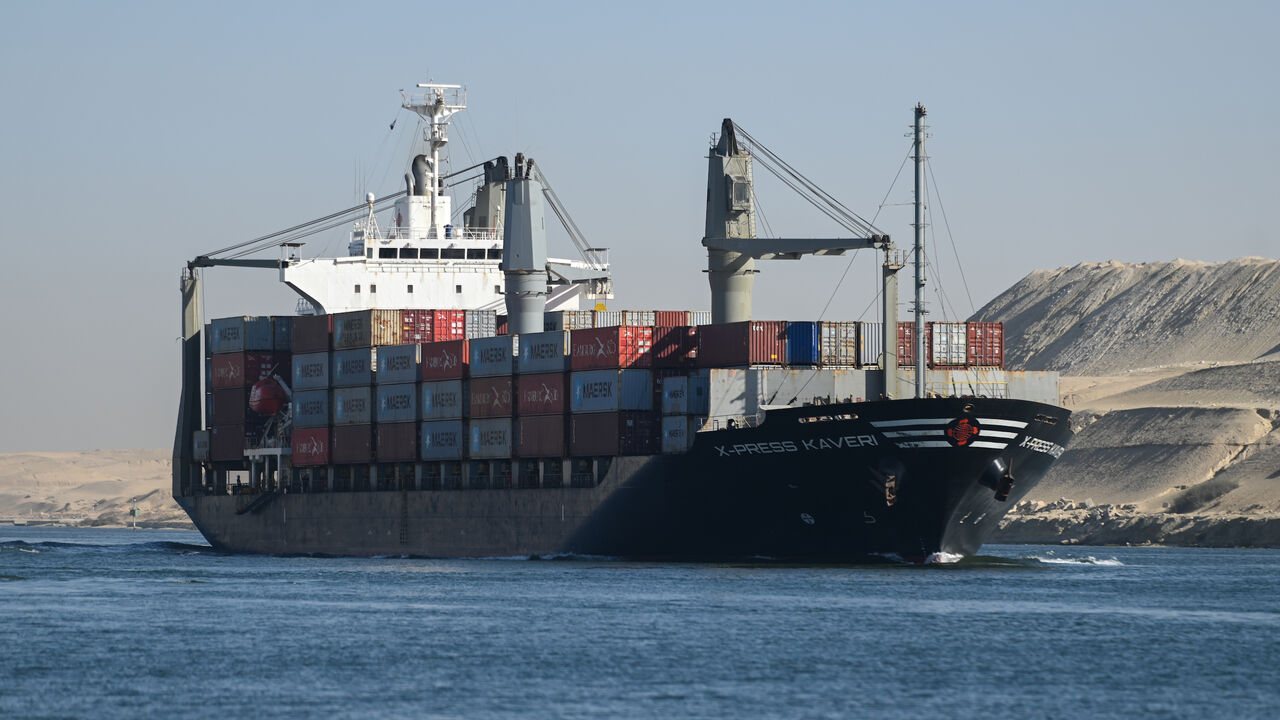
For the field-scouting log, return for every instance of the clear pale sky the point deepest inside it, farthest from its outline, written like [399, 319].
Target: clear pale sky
[135, 136]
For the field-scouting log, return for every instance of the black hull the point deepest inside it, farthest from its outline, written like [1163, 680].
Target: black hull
[836, 483]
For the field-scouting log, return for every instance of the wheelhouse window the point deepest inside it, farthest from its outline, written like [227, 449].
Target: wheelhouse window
[409, 253]
[475, 254]
[430, 253]
[495, 253]
[386, 253]
[453, 253]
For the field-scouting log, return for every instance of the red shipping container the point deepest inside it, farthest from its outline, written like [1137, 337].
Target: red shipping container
[620, 433]
[448, 325]
[752, 342]
[491, 397]
[540, 436]
[675, 347]
[606, 348]
[986, 344]
[444, 360]
[352, 444]
[311, 333]
[397, 442]
[542, 394]
[229, 407]
[233, 370]
[670, 318]
[500, 326]
[227, 443]
[907, 344]
[310, 446]
[416, 326]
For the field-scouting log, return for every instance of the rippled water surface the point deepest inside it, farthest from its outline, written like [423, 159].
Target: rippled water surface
[101, 623]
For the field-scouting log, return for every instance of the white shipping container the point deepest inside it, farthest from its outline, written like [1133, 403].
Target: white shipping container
[610, 390]
[699, 317]
[675, 395]
[565, 320]
[490, 438]
[442, 440]
[871, 343]
[838, 343]
[609, 318]
[481, 323]
[950, 344]
[543, 352]
[494, 356]
[444, 400]
[678, 432]
[643, 318]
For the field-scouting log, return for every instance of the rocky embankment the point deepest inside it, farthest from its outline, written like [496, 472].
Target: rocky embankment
[1173, 373]
[95, 489]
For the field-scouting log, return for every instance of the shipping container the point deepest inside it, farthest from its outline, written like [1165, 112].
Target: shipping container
[352, 444]
[227, 443]
[311, 333]
[396, 442]
[804, 343]
[493, 356]
[544, 352]
[870, 344]
[540, 436]
[353, 367]
[670, 318]
[610, 348]
[500, 325]
[678, 432]
[398, 403]
[448, 325]
[310, 446]
[566, 320]
[948, 344]
[614, 433]
[906, 344]
[442, 440]
[986, 344]
[311, 408]
[311, 371]
[542, 394]
[594, 391]
[397, 364]
[752, 342]
[352, 406]
[415, 326]
[489, 438]
[230, 370]
[838, 343]
[491, 397]
[200, 446]
[675, 347]
[366, 328]
[643, 318]
[208, 339]
[699, 317]
[229, 406]
[481, 323]
[444, 400]
[675, 395]
[444, 360]
[282, 333]
[699, 392]
[609, 318]
[242, 334]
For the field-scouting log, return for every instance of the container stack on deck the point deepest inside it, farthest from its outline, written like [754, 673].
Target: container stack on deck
[442, 387]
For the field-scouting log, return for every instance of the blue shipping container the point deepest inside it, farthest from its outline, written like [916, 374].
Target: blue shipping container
[803, 343]
[593, 391]
[398, 363]
[353, 367]
[282, 333]
[311, 371]
[442, 440]
[311, 408]
[241, 334]
[397, 403]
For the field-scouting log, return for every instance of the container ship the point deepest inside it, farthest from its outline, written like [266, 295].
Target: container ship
[442, 392]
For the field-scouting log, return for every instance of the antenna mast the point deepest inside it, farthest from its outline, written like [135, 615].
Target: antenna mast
[919, 252]
[435, 106]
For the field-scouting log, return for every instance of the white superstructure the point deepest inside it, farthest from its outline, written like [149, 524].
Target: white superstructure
[421, 259]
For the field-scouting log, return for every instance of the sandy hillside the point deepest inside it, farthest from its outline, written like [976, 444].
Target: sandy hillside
[1108, 318]
[89, 488]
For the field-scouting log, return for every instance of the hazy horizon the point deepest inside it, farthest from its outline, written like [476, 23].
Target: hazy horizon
[140, 135]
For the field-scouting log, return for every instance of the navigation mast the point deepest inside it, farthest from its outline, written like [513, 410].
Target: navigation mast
[435, 106]
[919, 252]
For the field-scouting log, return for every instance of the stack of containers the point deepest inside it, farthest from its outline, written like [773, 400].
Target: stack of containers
[566, 320]
[396, 381]
[541, 392]
[492, 401]
[351, 377]
[443, 402]
[611, 392]
[312, 413]
[241, 351]
[480, 323]
[742, 344]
